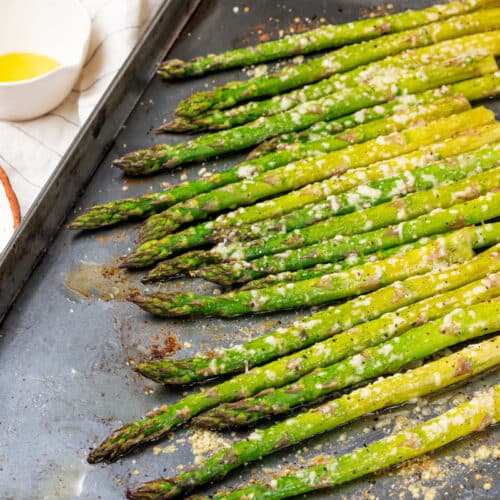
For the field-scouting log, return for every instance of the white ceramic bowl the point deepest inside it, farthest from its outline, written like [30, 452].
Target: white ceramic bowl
[56, 28]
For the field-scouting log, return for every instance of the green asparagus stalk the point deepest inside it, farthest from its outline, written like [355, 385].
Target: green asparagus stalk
[322, 38]
[323, 353]
[384, 392]
[384, 356]
[156, 250]
[338, 61]
[315, 291]
[472, 416]
[194, 259]
[373, 193]
[185, 263]
[485, 236]
[119, 211]
[177, 266]
[387, 71]
[399, 121]
[327, 288]
[324, 324]
[478, 210]
[314, 192]
[486, 86]
[447, 107]
[381, 215]
[162, 156]
[315, 328]
[304, 172]
[322, 269]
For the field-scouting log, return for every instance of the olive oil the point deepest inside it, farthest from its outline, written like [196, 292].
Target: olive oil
[16, 66]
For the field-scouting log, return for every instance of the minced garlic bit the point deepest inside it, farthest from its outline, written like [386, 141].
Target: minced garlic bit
[204, 442]
[171, 448]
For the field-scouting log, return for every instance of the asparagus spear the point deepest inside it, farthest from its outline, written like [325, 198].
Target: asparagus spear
[475, 211]
[155, 250]
[176, 266]
[338, 61]
[387, 72]
[301, 334]
[373, 193]
[401, 120]
[486, 86]
[303, 172]
[122, 210]
[472, 416]
[322, 38]
[381, 215]
[314, 291]
[154, 228]
[322, 269]
[162, 156]
[319, 191]
[319, 326]
[194, 259]
[384, 356]
[323, 325]
[384, 392]
[486, 238]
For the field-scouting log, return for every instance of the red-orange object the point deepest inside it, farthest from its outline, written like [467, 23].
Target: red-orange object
[11, 197]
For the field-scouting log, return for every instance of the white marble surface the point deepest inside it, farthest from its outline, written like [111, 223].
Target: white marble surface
[30, 151]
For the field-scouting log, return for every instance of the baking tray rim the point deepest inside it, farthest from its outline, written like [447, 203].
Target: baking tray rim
[44, 219]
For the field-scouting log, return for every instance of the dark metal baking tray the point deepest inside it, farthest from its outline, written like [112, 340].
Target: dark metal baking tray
[64, 379]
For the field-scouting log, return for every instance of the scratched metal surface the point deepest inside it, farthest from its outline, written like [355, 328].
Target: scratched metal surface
[64, 381]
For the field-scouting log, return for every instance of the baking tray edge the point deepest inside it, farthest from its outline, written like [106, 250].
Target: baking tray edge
[96, 137]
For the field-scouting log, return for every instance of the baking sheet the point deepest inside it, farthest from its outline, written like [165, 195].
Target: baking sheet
[64, 379]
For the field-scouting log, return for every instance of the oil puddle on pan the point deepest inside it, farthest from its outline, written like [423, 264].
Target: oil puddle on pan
[103, 281]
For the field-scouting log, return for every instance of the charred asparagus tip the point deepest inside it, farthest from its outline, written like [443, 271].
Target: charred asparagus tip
[124, 262]
[178, 125]
[136, 298]
[154, 490]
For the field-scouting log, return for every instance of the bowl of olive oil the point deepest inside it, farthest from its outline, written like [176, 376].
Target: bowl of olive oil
[43, 45]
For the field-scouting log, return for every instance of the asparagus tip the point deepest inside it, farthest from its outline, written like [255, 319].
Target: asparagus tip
[172, 69]
[153, 491]
[84, 222]
[207, 422]
[194, 105]
[126, 262]
[136, 298]
[145, 234]
[100, 454]
[120, 162]
[136, 162]
[162, 274]
[177, 125]
[91, 458]
[146, 370]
